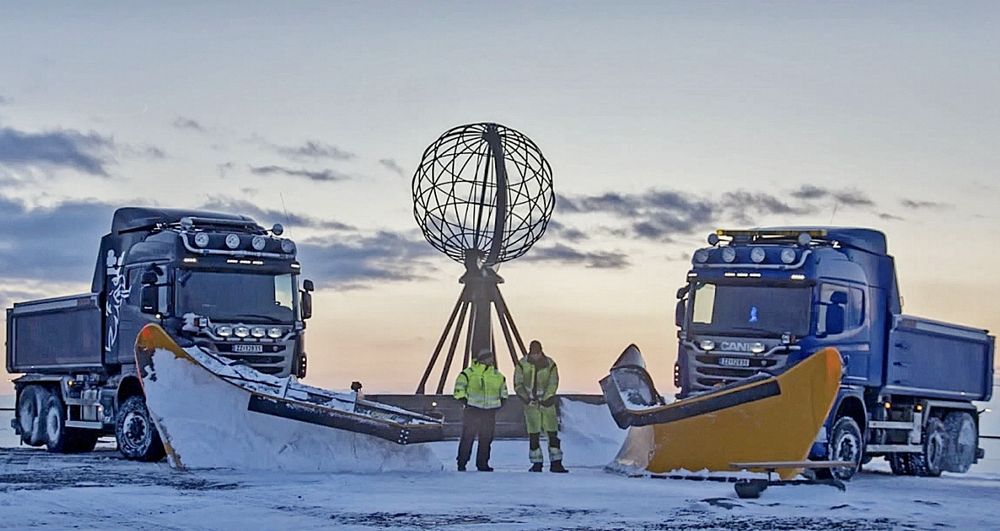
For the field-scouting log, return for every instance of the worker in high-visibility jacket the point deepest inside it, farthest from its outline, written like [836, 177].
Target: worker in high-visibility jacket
[482, 390]
[536, 380]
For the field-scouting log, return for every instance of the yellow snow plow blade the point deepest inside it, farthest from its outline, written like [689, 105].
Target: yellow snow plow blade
[764, 418]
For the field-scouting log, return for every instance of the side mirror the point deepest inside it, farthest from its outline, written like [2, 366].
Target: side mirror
[835, 317]
[149, 297]
[679, 313]
[307, 285]
[683, 291]
[149, 277]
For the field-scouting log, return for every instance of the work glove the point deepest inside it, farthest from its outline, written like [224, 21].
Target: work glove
[548, 402]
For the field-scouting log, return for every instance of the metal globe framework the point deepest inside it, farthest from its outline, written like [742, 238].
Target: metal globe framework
[482, 195]
[483, 188]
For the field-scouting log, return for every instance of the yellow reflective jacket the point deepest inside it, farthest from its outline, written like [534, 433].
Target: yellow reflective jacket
[483, 386]
[536, 382]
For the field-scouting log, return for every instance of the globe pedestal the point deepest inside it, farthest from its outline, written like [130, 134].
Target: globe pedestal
[480, 295]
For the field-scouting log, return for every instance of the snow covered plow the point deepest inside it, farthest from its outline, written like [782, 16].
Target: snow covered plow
[212, 412]
[764, 418]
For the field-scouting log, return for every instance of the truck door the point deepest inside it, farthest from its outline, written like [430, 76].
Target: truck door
[841, 323]
[131, 319]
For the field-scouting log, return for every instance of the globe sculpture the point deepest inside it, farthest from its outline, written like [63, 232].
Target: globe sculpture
[482, 195]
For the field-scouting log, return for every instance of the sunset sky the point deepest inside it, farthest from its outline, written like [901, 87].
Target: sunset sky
[662, 121]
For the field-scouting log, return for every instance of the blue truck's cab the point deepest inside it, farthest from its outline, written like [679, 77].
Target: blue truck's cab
[762, 299]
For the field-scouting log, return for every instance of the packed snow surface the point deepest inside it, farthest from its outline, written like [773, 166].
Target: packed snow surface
[100, 490]
[208, 425]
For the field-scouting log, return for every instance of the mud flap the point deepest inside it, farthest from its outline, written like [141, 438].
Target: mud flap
[767, 417]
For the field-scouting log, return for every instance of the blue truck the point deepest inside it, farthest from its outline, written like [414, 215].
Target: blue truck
[762, 299]
[217, 280]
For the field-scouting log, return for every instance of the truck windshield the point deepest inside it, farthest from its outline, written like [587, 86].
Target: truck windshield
[749, 310]
[238, 297]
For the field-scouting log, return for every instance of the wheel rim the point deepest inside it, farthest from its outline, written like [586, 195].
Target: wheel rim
[933, 452]
[847, 449]
[53, 428]
[136, 430]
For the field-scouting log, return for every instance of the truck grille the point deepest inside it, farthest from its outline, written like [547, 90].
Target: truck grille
[707, 372]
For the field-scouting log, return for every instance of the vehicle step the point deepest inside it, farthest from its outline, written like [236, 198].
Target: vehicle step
[891, 425]
[893, 448]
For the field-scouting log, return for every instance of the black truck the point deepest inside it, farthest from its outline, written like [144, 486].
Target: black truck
[221, 281]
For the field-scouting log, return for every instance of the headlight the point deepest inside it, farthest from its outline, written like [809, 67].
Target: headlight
[757, 255]
[258, 243]
[232, 241]
[258, 331]
[241, 331]
[706, 344]
[788, 255]
[274, 333]
[701, 256]
[223, 331]
[729, 255]
[201, 239]
[287, 246]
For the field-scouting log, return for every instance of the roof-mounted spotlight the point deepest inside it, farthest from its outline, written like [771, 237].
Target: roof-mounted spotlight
[277, 229]
[729, 255]
[757, 255]
[804, 238]
[232, 241]
[713, 239]
[201, 239]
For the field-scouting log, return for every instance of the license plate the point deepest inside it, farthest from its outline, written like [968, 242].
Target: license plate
[734, 362]
[250, 349]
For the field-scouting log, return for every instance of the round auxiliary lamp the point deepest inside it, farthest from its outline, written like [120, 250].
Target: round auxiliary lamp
[482, 195]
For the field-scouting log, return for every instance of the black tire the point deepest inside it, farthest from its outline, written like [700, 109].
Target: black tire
[845, 444]
[962, 441]
[930, 462]
[59, 438]
[901, 464]
[30, 405]
[135, 433]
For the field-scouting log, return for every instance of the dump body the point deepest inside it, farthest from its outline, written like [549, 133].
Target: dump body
[52, 336]
[763, 299]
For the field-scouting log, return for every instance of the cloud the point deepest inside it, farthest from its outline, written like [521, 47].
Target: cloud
[889, 217]
[563, 254]
[392, 166]
[312, 150]
[190, 124]
[58, 243]
[89, 153]
[847, 197]
[5, 100]
[143, 152]
[363, 260]
[661, 214]
[559, 231]
[266, 216]
[313, 175]
[915, 204]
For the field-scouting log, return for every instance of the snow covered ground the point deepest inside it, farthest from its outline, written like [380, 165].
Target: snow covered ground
[38, 489]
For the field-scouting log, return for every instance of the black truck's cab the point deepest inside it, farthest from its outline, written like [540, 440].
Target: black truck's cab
[219, 280]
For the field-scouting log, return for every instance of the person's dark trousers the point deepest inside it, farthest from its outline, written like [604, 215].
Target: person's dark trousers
[479, 423]
[535, 442]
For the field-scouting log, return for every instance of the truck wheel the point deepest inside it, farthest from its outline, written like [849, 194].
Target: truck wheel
[930, 462]
[59, 438]
[845, 444]
[900, 464]
[29, 414]
[962, 441]
[134, 430]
